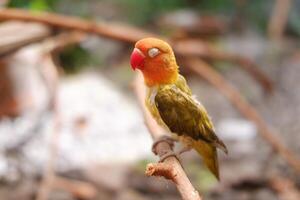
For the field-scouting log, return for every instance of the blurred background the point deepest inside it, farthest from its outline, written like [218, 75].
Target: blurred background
[71, 127]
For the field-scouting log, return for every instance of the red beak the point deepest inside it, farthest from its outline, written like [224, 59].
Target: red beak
[137, 59]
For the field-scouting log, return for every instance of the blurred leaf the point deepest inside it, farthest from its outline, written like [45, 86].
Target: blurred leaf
[18, 3]
[74, 58]
[39, 5]
[141, 12]
[216, 5]
[294, 22]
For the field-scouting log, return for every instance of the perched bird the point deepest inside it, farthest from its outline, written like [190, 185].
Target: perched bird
[171, 102]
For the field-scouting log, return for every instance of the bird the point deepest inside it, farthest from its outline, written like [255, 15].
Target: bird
[172, 104]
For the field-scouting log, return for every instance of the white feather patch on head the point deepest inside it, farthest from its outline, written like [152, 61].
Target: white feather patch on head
[153, 52]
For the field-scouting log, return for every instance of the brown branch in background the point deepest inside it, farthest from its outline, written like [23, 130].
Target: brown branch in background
[279, 18]
[31, 32]
[170, 168]
[63, 40]
[51, 79]
[131, 35]
[286, 189]
[196, 47]
[113, 31]
[49, 174]
[79, 189]
[254, 70]
[208, 73]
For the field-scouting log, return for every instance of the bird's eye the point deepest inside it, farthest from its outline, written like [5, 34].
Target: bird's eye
[153, 52]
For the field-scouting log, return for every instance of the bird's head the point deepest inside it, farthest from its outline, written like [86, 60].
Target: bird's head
[155, 58]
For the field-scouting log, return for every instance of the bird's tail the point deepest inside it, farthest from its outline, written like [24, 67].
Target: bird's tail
[209, 156]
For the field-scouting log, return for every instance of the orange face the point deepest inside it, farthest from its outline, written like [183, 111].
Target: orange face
[156, 60]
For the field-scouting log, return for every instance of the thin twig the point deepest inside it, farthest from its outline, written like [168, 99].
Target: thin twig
[112, 31]
[196, 47]
[49, 174]
[79, 189]
[286, 189]
[171, 167]
[207, 72]
[279, 18]
[15, 35]
[52, 46]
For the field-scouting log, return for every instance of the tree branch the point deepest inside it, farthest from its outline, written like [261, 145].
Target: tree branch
[112, 31]
[79, 189]
[170, 168]
[199, 48]
[53, 45]
[279, 18]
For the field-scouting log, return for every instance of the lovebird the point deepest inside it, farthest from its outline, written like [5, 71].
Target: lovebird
[170, 101]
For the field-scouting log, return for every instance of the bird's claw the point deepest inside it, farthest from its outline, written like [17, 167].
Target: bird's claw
[167, 155]
[176, 154]
[164, 138]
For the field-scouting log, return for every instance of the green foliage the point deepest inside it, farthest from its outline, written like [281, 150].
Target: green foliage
[79, 8]
[75, 58]
[141, 12]
[38, 5]
[257, 13]
[216, 5]
[294, 21]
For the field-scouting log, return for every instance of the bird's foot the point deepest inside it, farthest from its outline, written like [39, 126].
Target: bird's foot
[164, 138]
[176, 154]
[167, 155]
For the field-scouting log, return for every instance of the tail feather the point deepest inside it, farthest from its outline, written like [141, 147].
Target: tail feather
[209, 156]
[219, 144]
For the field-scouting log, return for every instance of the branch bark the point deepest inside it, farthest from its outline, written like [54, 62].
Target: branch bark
[49, 171]
[170, 168]
[279, 18]
[208, 73]
[113, 31]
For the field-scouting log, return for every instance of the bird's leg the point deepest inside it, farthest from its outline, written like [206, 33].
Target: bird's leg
[164, 138]
[170, 141]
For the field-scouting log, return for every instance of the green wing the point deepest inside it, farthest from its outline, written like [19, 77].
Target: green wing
[185, 116]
